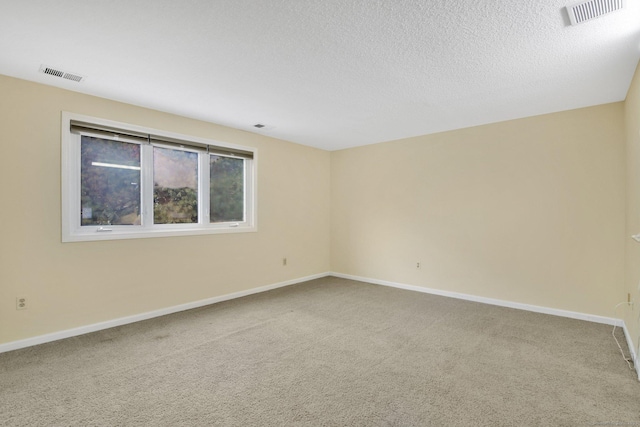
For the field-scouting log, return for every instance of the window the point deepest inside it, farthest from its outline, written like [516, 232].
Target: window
[122, 181]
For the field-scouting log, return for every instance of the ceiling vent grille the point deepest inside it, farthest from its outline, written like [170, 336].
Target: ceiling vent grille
[587, 10]
[62, 74]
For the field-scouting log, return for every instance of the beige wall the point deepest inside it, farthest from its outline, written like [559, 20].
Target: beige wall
[76, 284]
[632, 277]
[529, 211]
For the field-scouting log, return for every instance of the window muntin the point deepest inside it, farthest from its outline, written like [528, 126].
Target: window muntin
[178, 185]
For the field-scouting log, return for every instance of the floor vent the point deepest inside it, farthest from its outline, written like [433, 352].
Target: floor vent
[588, 10]
[62, 74]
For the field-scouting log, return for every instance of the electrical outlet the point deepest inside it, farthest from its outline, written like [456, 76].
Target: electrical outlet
[21, 303]
[284, 262]
[418, 266]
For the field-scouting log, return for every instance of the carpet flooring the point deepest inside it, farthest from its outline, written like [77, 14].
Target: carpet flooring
[328, 352]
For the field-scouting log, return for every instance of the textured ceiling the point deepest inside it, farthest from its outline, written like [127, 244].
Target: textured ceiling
[333, 73]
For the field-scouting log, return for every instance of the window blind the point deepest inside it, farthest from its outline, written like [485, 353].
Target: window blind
[127, 135]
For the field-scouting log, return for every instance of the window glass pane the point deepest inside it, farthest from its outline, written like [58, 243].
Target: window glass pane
[227, 189]
[109, 182]
[175, 186]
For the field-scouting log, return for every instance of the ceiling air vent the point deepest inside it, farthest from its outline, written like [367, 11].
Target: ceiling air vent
[62, 74]
[264, 127]
[587, 10]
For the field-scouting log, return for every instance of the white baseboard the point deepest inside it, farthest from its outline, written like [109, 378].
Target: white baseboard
[41, 339]
[632, 351]
[520, 306]
[503, 303]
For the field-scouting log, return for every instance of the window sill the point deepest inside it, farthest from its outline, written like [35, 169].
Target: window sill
[123, 234]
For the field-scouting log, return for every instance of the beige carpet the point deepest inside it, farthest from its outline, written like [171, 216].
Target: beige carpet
[329, 352]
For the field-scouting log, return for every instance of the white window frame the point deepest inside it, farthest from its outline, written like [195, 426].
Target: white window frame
[73, 231]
